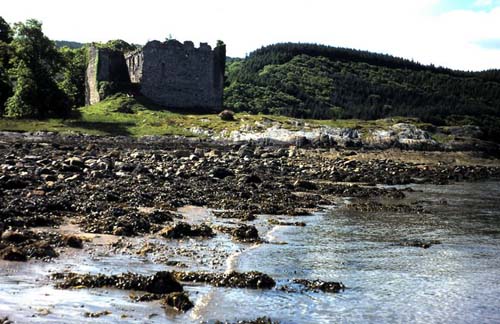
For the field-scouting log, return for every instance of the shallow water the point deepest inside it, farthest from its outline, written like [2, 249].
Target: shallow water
[457, 281]
[454, 282]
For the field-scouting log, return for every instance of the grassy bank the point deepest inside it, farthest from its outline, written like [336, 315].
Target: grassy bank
[123, 115]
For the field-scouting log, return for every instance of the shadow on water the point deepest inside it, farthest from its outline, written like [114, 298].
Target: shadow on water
[109, 128]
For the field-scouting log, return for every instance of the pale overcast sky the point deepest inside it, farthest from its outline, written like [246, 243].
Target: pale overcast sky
[460, 34]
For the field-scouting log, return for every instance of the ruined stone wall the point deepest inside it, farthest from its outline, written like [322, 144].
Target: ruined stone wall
[134, 63]
[178, 75]
[91, 83]
[106, 73]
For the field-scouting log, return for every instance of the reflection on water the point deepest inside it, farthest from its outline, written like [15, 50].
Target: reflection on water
[454, 282]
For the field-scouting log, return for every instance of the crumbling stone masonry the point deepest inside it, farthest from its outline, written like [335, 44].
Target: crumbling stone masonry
[106, 71]
[172, 74]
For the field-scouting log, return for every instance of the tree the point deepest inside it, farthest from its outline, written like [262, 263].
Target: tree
[22, 103]
[120, 45]
[5, 54]
[72, 79]
[5, 31]
[35, 64]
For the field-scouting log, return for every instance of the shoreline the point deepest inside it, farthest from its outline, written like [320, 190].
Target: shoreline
[127, 199]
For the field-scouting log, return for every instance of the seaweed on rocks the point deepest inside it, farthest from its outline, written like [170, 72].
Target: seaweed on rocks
[178, 300]
[244, 215]
[162, 282]
[124, 222]
[20, 245]
[319, 285]
[419, 243]
[252, 279]
[246, 233]
[273, 221]
[73, 241]
[11, 253]
[301, 285]
[182, 229]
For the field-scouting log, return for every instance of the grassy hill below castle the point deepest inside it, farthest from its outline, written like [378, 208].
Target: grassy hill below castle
[121, 114]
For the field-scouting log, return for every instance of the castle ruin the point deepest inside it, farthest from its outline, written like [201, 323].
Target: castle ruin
[171, 74]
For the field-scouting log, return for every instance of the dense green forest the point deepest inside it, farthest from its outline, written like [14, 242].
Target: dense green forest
[307, 80]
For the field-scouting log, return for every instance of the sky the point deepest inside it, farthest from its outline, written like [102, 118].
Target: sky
[459, 34]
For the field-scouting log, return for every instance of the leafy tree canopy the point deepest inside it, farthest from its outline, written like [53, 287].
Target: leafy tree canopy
[35, 65]
[5, 31]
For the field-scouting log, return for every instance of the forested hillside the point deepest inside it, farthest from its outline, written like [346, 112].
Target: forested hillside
[305, 80]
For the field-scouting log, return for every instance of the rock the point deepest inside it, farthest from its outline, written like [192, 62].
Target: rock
[246, 151]
[303, 184]
[245, 215]
[301, 141]
[221, 173]
[15, 183]
[182, 229]
[11, 253]
[227, 115]
[319, 285]
[419, 243]
[162, 282]
[97, 314]
[5, 320]
[41, 250]
[14, 236]
[73, 178]
[252, 279]
[75, 162]
[277, 222]
[253, 178]
[246, 233]
[179, 301]
[73, 241]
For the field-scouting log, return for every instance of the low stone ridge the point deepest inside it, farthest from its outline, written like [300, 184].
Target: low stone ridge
[162, 282]
[252, 279]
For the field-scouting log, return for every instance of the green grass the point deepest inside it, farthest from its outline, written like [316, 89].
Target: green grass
[122, 115]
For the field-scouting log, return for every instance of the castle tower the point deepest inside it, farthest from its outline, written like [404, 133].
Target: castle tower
[179, 75]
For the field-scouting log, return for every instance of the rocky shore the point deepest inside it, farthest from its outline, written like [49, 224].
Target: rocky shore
[61, 193]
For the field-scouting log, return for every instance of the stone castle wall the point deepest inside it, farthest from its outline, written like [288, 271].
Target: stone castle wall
[105, 66]
[177, 75]
[91, 83]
